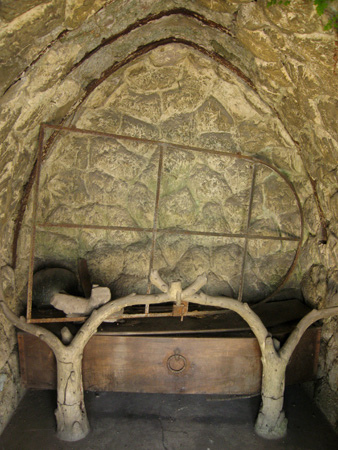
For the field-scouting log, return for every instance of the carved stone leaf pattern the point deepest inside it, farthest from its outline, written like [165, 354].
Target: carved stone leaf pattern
[170, 95]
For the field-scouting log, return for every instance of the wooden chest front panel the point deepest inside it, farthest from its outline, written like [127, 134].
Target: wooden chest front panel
[167, 364]
[200, 365]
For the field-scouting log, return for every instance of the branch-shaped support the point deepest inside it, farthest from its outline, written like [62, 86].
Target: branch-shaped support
[271, 422]
[72, 422]
[78, 306]
[71, 416]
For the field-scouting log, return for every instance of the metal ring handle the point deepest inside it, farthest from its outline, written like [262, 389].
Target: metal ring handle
[176, 363]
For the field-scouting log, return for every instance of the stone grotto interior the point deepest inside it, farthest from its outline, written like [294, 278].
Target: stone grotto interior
[169, 194]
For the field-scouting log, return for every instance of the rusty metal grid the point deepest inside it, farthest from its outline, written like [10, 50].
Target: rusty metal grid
[42, 153]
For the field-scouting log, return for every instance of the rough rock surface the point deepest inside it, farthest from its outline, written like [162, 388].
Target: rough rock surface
[95, 181]
[275, 99]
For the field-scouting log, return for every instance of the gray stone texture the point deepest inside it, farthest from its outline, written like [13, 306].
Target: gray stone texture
[95, 181]
[175, 94]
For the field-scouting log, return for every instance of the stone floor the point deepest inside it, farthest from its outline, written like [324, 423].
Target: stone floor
[167, 422]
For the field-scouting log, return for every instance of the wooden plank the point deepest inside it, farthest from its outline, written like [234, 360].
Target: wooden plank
[140, 364]
[37, 363]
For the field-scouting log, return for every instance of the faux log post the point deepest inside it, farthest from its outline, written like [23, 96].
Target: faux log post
[271, 422]
[71, 416]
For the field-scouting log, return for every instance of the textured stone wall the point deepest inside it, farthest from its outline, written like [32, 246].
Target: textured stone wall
[174, 95]
[235, 76]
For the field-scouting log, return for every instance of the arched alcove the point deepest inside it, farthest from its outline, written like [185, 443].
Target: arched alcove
[237, 77]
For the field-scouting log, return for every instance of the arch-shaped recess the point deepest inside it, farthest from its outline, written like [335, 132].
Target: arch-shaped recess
[206, 107]
[219, 34]
[111, 70]
[289, 61]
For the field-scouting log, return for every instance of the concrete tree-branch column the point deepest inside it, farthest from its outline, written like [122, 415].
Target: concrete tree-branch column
[71, 416]
[271, 422]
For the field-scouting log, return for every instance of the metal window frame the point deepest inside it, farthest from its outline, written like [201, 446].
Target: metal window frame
[247, 236]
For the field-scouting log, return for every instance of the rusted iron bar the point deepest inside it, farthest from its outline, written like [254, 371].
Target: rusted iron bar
[169, 231]
[178, 146]
[93, 227]
[296, 257]
[245, 251]
[33, 232]
[155, 224]
[234, 235]
[288, 274]
[172, 332]
[163, 143]
[28, 187]
[170, 313]
[57, 319]
[154, 230]
[129, 316]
